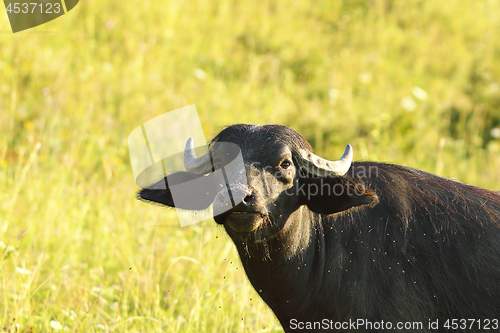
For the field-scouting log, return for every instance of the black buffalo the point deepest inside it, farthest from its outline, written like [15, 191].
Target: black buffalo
[344, 246]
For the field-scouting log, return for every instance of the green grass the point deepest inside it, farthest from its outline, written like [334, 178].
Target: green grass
[78, 249]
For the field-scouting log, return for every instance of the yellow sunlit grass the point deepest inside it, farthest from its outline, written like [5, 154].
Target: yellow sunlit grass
[407, 82]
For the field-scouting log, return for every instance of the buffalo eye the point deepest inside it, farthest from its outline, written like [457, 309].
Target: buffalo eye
[285, 164]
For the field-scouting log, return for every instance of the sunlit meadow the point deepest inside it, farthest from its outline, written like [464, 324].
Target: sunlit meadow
[408, 82]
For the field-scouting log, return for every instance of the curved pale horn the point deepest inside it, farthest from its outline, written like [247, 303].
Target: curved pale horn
[199, 165]
[320, 167]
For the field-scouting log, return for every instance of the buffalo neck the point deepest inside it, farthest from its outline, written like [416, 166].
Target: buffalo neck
[292, 267]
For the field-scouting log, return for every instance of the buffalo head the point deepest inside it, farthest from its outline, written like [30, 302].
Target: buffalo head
[280, 176]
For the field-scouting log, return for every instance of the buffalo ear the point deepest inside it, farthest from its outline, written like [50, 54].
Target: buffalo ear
[190, 191]
[329, 195]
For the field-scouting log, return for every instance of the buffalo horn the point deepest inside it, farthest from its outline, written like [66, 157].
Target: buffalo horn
[199, 165]
[320, 167]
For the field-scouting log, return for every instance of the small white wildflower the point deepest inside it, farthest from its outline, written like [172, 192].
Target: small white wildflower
[23, 271]
[495, 132]
[365, 78]
[494, 87]
[10, 248]
[419, 93]
[69, 313]
[107, 67]
[408, 104]
[200, 74]
[56, 325]
[333, 94]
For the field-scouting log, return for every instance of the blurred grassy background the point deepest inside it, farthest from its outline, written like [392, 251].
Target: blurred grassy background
[409, 82]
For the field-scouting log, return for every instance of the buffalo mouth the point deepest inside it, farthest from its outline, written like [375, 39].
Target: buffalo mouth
[241, 221]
